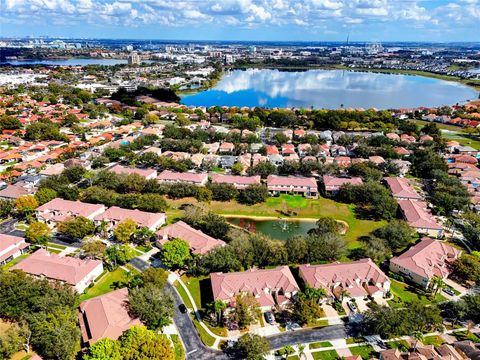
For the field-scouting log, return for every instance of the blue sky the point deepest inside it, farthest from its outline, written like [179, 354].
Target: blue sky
[309, 20]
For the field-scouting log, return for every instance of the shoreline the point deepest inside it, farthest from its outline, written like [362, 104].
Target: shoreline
[266, 218]
[474, 84]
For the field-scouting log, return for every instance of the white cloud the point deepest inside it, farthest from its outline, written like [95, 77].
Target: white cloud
[317, 14]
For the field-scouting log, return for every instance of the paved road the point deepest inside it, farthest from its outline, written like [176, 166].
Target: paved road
[307, 336]
[8, 227]
[194, 347]
[139, 264]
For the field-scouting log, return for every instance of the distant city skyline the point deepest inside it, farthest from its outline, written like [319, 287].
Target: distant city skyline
[243, 20]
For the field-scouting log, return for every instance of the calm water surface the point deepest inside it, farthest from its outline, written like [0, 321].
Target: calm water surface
[277, 229]
[329, 89]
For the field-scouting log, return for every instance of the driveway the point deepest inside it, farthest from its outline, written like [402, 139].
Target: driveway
[139, 264]
[329, 311]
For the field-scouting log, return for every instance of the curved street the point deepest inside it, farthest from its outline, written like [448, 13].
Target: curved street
[195, 349]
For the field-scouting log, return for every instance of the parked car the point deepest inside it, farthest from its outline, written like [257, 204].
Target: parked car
[269, 317]
[183, 309]
[352, 306]
[449, 291]
[292, 327]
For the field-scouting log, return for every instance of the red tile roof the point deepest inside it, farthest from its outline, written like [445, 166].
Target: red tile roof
[142, 218]
[428, 258]
[401, 188]
[106, 316]
[417, 215]
[54, 266]
[199, 242]
[260, 283]
[352, 276]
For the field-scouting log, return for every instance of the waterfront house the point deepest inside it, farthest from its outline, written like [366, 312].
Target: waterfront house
[199, 242]
[306, 186]
[270, 287]
[359, 279]
[114, 215]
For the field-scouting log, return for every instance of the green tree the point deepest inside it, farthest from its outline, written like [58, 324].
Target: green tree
[26, 204]
[139, 343]
[76, 227]
[467, 268]
[44, 195]
[119, 255]
[151, 304]
[247, 310]
[263, 169]
[175, 253]
[306, 310]
[104, 349]
[252, 347]
[38, 233]
[6, 207]
[326, 224]
[253, 194]
[55, 334]
[327, 246]
[94, 249]
[297, 249]
[124, 230]
[203, 194]
[397, 234]
[237, 169]
[223, 192]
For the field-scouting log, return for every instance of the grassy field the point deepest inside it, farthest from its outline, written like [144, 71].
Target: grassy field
[108, 282]
[298, 206]
[365, 351]
[434, 340]
[321, 344]
[183, 295]
[207, 339]
[463, 139]
[178, 347]
[404, 293]
[325, 355]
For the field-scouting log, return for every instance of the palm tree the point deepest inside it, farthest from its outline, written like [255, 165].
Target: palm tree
[437, 284]
[301, 351]
[344, 293]
[418, 336]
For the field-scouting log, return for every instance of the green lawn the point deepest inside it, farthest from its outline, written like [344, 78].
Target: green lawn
[325, 355]
[108, 282]
[466, 335]
[207, 339]
[404, 293]
[402, 345]
[56, 246]
[321, 344]
[183, 295]
[193, 285]
[365, 351]
[434, 340]
[178, 347]
[463, 139]
[15, 261]
[296, 206]
[354, 340]
[144, 248]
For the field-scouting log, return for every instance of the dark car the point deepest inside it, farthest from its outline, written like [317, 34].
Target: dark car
[449, 291]
[269, 317]
[183, 309]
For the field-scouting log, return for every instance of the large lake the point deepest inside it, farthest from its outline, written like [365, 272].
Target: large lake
[329, 89]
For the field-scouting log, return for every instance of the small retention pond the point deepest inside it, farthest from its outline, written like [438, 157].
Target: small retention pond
[280, 229]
